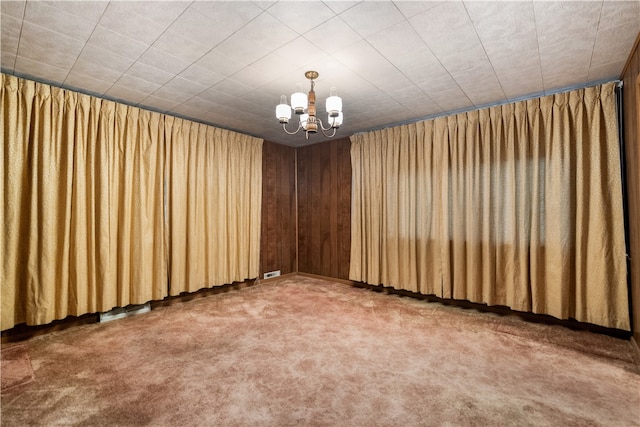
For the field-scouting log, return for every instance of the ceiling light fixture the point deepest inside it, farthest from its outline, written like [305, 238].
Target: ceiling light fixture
[305, 106]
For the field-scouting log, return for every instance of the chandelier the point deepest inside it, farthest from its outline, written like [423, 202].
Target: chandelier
[305, 106]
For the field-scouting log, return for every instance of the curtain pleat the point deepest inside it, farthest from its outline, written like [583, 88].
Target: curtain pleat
[136, 202]
[214, 203]
[517, 205]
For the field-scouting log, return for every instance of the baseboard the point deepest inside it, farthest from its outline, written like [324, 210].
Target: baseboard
[330, 279]
[275, 279]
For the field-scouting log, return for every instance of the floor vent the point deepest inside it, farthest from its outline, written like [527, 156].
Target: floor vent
[119, 312]
[271, 274]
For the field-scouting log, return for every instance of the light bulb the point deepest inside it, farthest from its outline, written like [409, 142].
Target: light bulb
[334, 103]
[283, 111]
[299, 101]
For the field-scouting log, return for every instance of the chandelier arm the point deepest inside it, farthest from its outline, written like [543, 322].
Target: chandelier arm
[325, 133]
[323, 128]
[284, 127]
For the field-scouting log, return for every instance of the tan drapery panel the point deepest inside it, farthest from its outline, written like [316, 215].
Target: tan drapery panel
[214, 195]
[517, 205]
[395, 231]
[136, 176]
[81, 204]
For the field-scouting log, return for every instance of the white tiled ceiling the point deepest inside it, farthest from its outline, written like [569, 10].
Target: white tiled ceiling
[227, 63]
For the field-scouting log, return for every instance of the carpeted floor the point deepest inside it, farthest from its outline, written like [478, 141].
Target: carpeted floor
[16, 367]
[302, 351]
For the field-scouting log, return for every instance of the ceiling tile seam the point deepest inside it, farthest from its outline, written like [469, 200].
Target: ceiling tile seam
[394, 2]
[399, 70]
[15, 60]
[342, 47]
[475, 30]
[551, 90]
[133, 62]
[386, 59]
[327, 3]
[338, 16]
[192, 119]
[406, 20]
[47, 30]
[439, 62]
[50, 30]
[207, 122]
[197, 41]
[535, 23]
[211, 50]
[146, 50]
[85, 45]
[363, 77]
[292, 29]
[362, 36]
[214, 84]
[595, 39]
[231, 35]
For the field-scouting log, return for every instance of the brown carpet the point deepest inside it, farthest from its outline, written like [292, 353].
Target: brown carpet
[16, 367]
[302, 351]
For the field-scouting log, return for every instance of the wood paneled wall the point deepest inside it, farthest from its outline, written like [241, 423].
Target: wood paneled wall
[278, 230]
[631, 111]
[324, 208]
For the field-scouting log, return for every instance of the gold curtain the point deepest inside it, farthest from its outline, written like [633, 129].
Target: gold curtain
[214, 201]
[396, 231]
[517, 205]
[136, 203]
[81, 204]
[84, 197]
